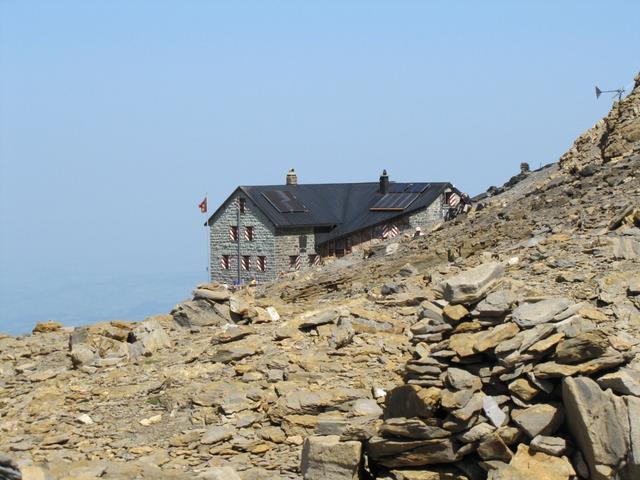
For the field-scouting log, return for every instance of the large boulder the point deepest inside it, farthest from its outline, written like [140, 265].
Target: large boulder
[327, 458]
[605, 427]
[147, 338]
[472, 285]
[198, 313]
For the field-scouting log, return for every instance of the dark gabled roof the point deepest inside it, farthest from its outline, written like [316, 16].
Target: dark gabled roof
[345, 206]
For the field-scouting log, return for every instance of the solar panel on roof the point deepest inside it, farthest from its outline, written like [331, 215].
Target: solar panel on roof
[417, 187]
[284, 202]
[394, 201]
[407, 187]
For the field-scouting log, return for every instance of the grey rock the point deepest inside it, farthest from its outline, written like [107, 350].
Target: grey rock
[463, 380]
[455, 399]
[366, 407]
[599, 423]
[402, 453]
[493, 412]
[342, 334]
[147, 338]
[232, 351]
[390, 288]
[575, 325]
[496, 304]
[198, 313]
[321, 318]
[471, 408]
[82, 354]
[217, 434]
[540, 419]
[625, 381]
[583, 346]
[431, 311]
[327, 458]
[477, 432]
[633, 457]
[555, 446]
[627, 247]
[472, 285]
[9, 469]
[531, 314]
[412, 428]
[347, 427]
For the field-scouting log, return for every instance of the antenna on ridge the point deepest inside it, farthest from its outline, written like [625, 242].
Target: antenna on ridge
[617, 92]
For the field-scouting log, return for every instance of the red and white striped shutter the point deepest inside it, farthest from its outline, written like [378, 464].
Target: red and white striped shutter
[390, 230]
[454, 199]
[298, 262]
[316, 260]
[247, 235]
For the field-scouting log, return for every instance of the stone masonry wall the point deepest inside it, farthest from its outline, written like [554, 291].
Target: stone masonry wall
[431, 215]
[293, 242]
[263, 243]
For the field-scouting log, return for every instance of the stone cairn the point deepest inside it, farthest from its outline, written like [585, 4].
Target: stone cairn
[501, 390]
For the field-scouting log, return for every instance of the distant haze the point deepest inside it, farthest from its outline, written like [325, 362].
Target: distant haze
[116, 118]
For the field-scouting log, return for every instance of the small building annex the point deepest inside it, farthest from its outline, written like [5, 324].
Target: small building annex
[261, 231]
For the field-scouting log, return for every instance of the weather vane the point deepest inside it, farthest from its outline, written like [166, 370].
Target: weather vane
[618, 92]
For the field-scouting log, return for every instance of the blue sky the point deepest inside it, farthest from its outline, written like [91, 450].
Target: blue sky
[117, 116]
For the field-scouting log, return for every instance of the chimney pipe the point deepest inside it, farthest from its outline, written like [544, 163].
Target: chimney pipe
[384, 183]
[292, 178]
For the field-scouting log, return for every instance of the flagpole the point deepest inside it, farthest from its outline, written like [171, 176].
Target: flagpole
[208, 242]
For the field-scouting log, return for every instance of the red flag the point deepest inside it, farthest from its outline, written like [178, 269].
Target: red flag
[203, 205]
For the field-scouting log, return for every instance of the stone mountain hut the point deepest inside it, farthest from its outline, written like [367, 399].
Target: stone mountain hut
[260, 231]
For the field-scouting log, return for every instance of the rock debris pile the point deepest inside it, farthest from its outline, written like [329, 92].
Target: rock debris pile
[502, 385]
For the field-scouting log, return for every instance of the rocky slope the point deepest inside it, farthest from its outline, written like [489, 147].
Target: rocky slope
[504, 344]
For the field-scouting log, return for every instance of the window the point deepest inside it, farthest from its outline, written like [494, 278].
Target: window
[314, 260]
[294, 262]
[233, 233]
[248, 234]
[246, 261]
[224, 262]
[242, 205]
[261, 264]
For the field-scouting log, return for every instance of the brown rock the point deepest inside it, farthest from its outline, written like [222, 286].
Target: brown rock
[455, 312]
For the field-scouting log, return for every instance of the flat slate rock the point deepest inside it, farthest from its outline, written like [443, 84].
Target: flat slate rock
[532, 314]
[472, 285]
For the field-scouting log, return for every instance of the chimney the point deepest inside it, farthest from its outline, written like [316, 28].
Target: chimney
[384, 182]
[292, 178]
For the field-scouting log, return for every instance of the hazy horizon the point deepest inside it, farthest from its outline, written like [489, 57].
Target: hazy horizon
[116, 118]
